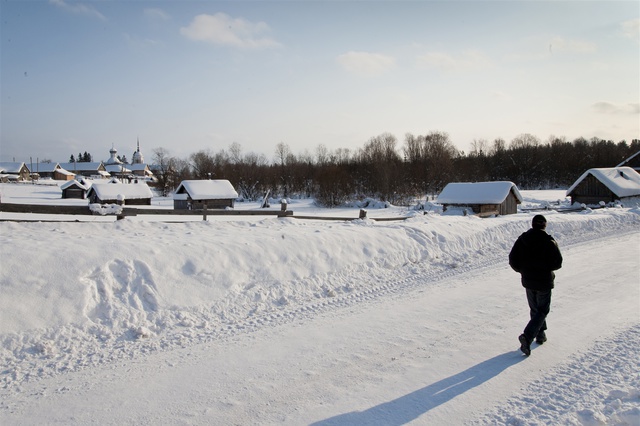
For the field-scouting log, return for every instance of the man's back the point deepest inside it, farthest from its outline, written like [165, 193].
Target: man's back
[535, 255]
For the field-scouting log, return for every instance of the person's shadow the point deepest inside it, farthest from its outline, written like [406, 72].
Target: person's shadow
[411, 406]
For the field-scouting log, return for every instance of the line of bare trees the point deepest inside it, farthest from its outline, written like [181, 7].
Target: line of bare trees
[382, 169]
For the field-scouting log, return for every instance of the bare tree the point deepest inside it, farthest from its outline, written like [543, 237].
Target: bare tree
[164, 169]
[322, 154]
[203, 164]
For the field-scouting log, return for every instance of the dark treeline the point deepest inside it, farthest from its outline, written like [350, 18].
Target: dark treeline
[389, 171]
[82, 158]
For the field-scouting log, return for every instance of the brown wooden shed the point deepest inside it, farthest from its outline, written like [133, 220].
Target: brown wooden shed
[195, 194]
[120, 193]
[605, 185]
[483, 198]
[74, 189]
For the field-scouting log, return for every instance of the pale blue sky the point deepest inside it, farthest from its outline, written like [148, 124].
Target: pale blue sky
[190, 75]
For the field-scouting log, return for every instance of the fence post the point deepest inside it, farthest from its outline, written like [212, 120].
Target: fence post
[363, 214]
[204, 212]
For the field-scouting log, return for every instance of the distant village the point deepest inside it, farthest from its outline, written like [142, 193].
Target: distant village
[101, 182]
[115, 181]
[113, 167]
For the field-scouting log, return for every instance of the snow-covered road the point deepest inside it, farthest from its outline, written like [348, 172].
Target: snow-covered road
[444, 353]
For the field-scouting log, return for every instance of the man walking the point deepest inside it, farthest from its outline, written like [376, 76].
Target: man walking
[535, 255]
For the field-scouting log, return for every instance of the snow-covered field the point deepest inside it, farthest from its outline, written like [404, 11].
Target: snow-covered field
[286, 321]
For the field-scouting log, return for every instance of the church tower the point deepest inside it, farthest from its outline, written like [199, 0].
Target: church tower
[113, 159]
[137, 156]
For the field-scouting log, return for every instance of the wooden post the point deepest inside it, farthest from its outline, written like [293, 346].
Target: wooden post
[204, 212]
[283, 205]
[363, 214]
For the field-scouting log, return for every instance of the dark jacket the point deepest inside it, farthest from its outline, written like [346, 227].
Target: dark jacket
[535, 255]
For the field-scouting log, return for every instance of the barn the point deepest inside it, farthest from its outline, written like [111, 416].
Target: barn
[195, 194]
[483, 198]
[114, 192]
[606, 185]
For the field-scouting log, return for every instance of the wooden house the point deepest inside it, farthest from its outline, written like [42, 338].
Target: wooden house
[119, 193]
[140, 170]
[12, 171]
[87, 169]
[605, 185]
[483, 198]
[120, 171]
[75, 189]
[52, 171]
[195, 194]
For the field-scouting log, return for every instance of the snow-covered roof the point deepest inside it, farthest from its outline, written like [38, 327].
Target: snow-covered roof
[622, 181]
[65, 172]
[216, 189]
[80, 165]
[478, 192]
[11, 167]
[111, 191]
[117, 168]
[45, 167]
[137, 166]
[81, 185]
[628, 160]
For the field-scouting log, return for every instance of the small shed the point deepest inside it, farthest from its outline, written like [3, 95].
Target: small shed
[484, 198]
[605, 184]
[115, 193]
[195, 194]
[75, 189]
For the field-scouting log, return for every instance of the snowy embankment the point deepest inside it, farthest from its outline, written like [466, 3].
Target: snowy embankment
[77, 297]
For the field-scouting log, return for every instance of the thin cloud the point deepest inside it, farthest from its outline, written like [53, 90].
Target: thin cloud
[561, 45]
[366, 63]
[471, 60]
[156, 14]
[223, 30]
[78, 9]
[604, 107]
[631, 29]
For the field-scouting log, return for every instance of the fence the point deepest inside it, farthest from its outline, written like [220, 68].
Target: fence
[131, 211]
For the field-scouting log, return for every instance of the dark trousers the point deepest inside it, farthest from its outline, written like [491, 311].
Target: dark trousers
[539, 307]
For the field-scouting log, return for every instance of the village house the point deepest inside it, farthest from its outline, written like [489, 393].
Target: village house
[195, 194]
[114, 192]
[483, 198]
[13, 172]
[605, 185]
[52, 171]
[94, 170]
[140, 170]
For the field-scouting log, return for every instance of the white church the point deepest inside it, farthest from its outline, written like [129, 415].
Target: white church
[122, 169]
